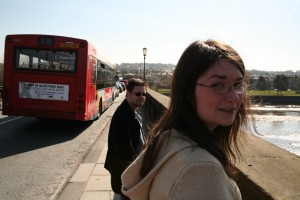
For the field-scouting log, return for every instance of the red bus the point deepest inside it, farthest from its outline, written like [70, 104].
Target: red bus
[49, 76]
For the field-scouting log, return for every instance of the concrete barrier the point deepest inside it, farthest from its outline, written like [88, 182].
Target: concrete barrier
[267, 171]
[277, 100]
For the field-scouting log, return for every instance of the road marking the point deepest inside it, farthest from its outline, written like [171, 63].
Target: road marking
[10, 120]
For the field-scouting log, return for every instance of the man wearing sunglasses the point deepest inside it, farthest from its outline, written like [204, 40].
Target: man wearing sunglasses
[126, 137]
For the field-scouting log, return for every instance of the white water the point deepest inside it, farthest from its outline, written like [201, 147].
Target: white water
[280, 126]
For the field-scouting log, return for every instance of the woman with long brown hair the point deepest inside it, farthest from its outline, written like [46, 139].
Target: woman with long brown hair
[190, 153]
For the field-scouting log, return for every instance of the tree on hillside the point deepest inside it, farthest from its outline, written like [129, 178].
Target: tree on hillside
[261, 83]
[298, 84]
[281, 82]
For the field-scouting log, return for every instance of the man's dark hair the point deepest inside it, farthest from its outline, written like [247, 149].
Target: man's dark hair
[134, 82]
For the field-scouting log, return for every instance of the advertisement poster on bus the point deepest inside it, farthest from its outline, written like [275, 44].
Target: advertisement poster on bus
[45, 91]
[107, 93]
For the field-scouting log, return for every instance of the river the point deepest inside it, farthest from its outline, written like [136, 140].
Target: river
[279, 125]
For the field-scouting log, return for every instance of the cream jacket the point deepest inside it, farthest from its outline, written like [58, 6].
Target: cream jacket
[182, 171]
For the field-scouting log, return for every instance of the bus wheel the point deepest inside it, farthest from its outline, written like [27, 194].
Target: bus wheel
[99, 110]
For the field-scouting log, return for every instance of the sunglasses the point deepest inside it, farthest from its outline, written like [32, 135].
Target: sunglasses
[138, 94]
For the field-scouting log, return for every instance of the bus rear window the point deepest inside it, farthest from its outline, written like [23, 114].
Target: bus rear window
[45, 60]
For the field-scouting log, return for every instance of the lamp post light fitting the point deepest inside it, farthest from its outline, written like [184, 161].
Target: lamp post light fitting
[144, 53]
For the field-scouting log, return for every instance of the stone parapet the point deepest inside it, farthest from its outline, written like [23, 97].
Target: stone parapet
[276, 100]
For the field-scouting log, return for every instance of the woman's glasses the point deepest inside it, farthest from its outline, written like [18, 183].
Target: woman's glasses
[138, 94]
[222, 89]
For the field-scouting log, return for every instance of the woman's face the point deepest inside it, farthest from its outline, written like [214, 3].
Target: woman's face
[219, 109]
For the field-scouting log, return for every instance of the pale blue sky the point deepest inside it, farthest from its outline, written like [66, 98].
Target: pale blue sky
[266, 33]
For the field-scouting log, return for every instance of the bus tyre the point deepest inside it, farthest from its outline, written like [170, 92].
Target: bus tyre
[99, 110]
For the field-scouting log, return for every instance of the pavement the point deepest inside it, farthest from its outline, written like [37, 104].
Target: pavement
[91, 181]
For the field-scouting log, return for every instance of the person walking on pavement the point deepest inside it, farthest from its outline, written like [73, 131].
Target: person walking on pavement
[126, 137]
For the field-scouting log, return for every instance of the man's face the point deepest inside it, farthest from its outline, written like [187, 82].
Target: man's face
[137, 97]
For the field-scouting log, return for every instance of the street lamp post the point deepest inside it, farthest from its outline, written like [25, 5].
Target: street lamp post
[144, 53]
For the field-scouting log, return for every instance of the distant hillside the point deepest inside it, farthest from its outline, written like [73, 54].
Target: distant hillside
[148, 65]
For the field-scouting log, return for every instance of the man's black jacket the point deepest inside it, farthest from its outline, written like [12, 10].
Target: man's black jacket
[124, 139]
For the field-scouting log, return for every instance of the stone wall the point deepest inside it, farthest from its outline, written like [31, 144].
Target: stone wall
[277, 100]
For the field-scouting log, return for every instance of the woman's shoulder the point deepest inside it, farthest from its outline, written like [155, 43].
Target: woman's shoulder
[188, 161]
[187, 150]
